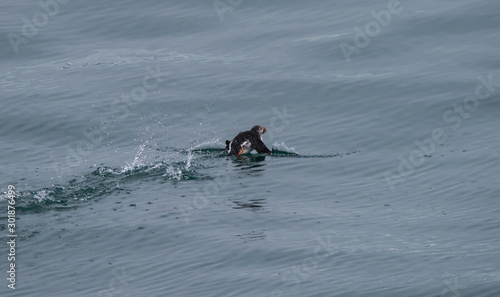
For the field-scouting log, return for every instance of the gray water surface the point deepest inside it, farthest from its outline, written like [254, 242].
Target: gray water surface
[382, 117]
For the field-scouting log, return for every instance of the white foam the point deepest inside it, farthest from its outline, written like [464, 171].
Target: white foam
[42, 196]
[157, 165]
[3, 196]
[281, 146]
[175, 173]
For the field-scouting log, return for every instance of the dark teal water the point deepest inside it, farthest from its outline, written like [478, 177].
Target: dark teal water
[382, 116]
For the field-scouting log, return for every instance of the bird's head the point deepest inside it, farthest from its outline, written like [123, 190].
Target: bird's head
[260, 129]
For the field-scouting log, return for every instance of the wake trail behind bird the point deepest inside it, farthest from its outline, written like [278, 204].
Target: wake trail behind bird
[197, 163]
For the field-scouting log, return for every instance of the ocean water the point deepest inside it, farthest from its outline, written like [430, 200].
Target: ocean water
[382, 117]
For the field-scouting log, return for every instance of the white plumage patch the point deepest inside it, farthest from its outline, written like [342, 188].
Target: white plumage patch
[246, 146]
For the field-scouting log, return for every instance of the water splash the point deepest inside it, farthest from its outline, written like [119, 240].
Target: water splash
[187, 165]
[175, 173]
[190, 156]
[282, 147]
[137, 159]
[205, 148]
[42, 196]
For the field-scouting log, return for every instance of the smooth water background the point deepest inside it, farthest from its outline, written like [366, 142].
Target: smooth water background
[124, 190]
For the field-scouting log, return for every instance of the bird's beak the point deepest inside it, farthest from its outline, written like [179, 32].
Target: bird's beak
[265, 130]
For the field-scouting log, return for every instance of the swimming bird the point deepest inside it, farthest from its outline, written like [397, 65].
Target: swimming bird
[247, 141]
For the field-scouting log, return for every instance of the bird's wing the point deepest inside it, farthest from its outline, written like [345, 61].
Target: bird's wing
[260, 147]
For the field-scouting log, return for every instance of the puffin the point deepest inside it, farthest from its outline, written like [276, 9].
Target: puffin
[247, 141]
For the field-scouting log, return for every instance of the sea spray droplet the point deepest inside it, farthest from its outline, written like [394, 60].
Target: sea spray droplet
[189, 158]
[137, 161]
